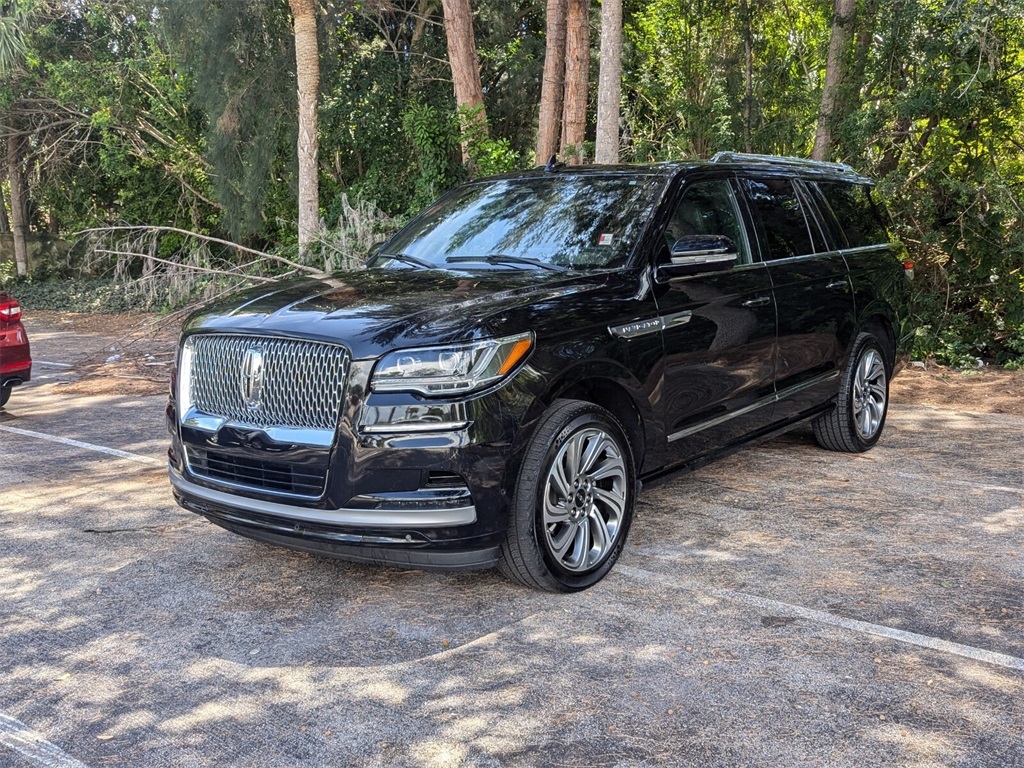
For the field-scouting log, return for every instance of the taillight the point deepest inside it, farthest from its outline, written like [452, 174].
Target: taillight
[10, 311]
[908, 269]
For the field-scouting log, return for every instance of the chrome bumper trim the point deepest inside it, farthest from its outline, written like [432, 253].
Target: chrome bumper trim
[314, 438]
[364, 518]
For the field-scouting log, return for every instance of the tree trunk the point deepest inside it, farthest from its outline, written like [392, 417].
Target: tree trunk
[307, 68]
[469, 94]
[609, 86]
[19, 201]
[838, 53]
[748, 76]
[577, 82]
[5, 222]
[553, 83]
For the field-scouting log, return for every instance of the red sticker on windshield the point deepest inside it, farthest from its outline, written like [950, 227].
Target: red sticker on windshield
[606, 239]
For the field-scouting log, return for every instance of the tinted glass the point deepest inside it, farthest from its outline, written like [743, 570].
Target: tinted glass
[565, 220]
[707, 208]
[857, 213]
[785, 228]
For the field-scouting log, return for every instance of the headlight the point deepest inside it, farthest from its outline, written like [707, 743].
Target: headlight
[454, 369]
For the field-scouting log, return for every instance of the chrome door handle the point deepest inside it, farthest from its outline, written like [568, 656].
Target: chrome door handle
[760, 301]
[837, 284]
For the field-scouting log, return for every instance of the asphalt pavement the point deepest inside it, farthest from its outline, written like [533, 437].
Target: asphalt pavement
[784, 606]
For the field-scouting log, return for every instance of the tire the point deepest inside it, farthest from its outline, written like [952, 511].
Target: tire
[856, 423]
[565, 533]
[5, 394]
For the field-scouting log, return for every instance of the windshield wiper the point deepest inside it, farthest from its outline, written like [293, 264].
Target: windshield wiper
[406, 259]
[500, 258]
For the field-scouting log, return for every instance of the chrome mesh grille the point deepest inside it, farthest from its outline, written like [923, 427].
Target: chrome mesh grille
[302, 381]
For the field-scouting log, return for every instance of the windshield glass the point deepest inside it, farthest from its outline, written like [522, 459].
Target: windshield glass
[565, 221]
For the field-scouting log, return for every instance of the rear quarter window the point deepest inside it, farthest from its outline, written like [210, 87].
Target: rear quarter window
[856, 212]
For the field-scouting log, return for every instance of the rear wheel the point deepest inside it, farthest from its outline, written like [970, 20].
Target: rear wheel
[573, 501]
[856, 423]
[5, 394]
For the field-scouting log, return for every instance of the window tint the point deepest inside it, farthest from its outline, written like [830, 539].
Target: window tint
[562, 219]
[857, 213]
[707, 208]
[785, 228]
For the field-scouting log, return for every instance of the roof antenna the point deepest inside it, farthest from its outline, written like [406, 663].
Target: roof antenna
[553, 165]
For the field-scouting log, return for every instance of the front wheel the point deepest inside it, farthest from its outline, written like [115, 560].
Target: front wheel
[573, 501]
[5, 394]
[856, 423]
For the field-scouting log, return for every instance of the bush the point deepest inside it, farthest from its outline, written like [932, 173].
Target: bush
[77, 295]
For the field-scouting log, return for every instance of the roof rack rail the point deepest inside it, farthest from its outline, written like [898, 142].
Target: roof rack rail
[734, 157]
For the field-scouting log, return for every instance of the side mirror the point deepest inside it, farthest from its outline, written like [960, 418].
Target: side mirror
[695, 254]
[704, 252]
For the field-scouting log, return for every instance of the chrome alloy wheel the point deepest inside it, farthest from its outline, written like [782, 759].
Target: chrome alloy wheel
[869, 394]
[584, 500]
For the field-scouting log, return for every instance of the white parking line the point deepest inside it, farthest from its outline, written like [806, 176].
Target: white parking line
[15, 735]
[822, 617]
[964, 483]
[52, 365]
[79, 444]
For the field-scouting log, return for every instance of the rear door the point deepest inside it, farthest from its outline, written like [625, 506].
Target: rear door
[813, 296]
[718, 331]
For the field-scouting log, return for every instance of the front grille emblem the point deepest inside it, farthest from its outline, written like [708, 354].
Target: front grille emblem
[252, 378]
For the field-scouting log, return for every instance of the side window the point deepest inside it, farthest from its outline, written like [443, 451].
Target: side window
[707, 208]
[784, 227]
[858, 216]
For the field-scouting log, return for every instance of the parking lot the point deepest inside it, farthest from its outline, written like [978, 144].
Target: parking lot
[784, 606]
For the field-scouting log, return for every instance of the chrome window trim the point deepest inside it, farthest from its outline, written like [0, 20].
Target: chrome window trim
[366, 518]
[867, 248]
[768, 400]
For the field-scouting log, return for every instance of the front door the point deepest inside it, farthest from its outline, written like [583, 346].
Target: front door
[718, 331]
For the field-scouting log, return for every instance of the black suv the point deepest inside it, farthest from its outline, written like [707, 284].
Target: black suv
[492, 390]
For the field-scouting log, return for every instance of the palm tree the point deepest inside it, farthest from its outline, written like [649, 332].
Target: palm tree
[307, 69]
[465, 64]
[609, 85]
[13, 17]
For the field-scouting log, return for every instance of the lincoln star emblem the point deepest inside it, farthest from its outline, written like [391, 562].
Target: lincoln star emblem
[252, 378]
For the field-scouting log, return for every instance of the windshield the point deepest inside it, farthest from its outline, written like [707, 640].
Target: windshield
[564, 221]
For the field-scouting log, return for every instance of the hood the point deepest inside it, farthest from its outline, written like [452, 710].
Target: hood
[373, 311]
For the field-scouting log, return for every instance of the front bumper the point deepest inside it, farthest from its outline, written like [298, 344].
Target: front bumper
[432, 496]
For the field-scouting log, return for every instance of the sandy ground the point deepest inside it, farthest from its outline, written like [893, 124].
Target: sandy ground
[784, 606]
[139, 363]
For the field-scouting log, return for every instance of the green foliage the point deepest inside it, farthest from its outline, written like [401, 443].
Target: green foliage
[96, 295]
[487, 155]
[136, 153]
[8, 271]
[434, 137]
[186, 115]
[240, 56]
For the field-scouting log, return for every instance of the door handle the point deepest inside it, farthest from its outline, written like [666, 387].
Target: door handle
[836, 284]
[760, 301]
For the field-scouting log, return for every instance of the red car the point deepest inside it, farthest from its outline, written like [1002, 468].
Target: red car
[15, 359]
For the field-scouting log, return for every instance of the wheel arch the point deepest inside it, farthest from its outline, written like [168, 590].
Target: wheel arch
[607, 385]
[881, 327]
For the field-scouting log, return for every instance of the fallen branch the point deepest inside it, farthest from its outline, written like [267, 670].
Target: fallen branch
[209, 239]
[194, 268]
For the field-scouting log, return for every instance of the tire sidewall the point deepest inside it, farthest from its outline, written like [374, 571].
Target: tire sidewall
[868, 342]
[570, 580]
